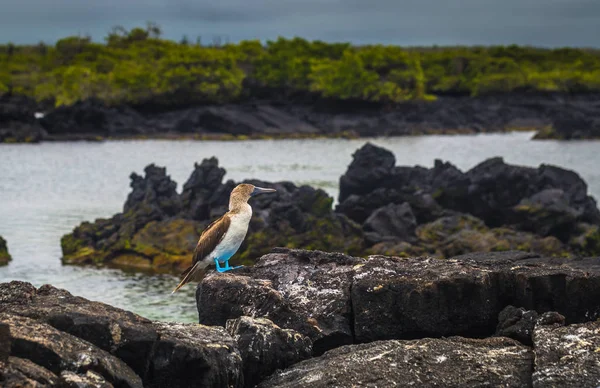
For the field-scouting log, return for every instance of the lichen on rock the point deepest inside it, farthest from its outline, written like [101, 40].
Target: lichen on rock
[455, 361]
[336, 299]
[567, 355]
[265, 347]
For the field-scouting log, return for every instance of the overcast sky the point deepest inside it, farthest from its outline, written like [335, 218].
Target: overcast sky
[404, 22]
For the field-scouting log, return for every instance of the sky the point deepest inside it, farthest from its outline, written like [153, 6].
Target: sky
[547, 23]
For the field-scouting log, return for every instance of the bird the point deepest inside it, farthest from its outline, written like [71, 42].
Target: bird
[223, 237]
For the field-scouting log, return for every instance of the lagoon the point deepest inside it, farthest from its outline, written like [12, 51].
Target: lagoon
[49, 188]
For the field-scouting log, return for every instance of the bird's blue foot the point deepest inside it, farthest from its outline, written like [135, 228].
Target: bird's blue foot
[226, 267]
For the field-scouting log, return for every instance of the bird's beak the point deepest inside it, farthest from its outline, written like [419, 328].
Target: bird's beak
[261, 190]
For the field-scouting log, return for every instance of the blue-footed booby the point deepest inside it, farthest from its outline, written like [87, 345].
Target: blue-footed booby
[223, 237]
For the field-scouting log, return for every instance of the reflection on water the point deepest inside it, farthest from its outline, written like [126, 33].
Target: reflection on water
[47, 189]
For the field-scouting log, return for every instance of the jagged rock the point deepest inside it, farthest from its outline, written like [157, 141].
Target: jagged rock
[496, 186]
[58, 351]
[516, 323]
[370, 167]
[301, 290]
[548, 201]
[155, 190]
[201, 191]
[265, 347]
[336, 299]
[159, 228]
[567, 356]
[153, 200]
[155, 351]
[426, 362]
[4, 255]
[391, 223]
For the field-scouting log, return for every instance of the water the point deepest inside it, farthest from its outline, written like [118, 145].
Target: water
[47, 189]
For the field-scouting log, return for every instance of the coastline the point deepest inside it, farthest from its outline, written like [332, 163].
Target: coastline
[553, 116]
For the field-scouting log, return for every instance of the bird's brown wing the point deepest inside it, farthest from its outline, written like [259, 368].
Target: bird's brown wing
[207, 242]
[211, 236]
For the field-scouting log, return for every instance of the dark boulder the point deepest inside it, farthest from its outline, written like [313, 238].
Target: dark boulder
[59, 352]
[307, 291]
[451, 362]
[391, 223]
[336, 299]
[124, 334]
[547, 213]
[157, 352]
[547, 201]
[154, 190]
[567, 356]
[188, 355]
[370, 167]
[201, 191]
[265, 347]
[516, 323]
[414, 298]
[358, 208]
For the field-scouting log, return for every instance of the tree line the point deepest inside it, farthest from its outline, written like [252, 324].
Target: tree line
[136, 67]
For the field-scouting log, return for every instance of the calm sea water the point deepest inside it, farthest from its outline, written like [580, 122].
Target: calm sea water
[48, 189]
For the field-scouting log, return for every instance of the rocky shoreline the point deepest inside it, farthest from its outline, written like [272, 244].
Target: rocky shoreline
[553, 116]
[383, 209]
[302, 318]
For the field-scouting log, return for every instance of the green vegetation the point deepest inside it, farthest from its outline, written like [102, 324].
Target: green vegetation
[137, 67]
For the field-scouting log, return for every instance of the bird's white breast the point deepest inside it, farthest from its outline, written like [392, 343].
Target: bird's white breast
[233, 238]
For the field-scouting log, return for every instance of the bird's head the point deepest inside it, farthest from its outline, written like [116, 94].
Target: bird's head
[244, 191]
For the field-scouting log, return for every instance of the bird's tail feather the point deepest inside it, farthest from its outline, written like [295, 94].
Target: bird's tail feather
[187, 275]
